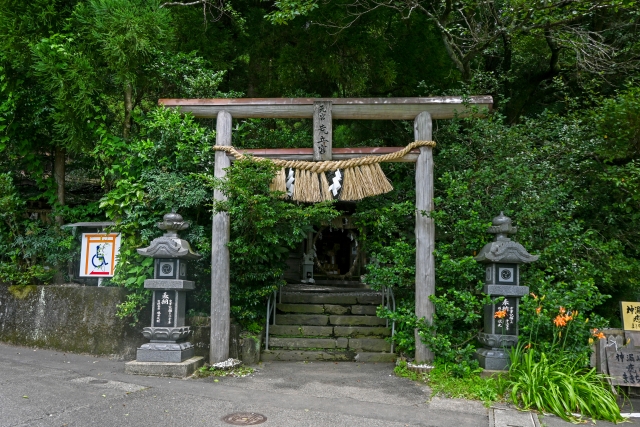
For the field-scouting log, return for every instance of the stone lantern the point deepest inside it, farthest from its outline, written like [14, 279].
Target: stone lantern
[502, 259]
[168, 332]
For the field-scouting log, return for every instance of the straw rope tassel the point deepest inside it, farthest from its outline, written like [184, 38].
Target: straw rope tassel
[279, 182]
[307, 195]
[380, 180]
[369, 188]
[347, 182]
[361, 183]
[324, 187]
[297, 188]
[352, 185]
[316, 187]
[304, 190]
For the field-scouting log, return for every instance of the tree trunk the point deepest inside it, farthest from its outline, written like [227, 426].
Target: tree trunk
[58, 175]
[128, 108]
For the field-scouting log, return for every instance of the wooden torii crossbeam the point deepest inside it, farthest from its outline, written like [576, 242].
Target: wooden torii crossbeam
[323, 110]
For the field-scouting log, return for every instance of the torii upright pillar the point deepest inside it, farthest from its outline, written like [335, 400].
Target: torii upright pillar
[425, 232]
[220, 234]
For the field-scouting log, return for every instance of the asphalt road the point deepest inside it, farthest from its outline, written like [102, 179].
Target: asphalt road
[50, 388]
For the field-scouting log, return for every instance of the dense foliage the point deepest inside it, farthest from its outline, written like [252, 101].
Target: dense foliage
[82, 138]
[264, 229]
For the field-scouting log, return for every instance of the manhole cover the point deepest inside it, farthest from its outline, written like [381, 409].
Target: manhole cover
[98, 382]
[244, 419]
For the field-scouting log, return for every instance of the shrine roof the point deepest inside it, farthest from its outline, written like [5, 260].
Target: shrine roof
[442, 107]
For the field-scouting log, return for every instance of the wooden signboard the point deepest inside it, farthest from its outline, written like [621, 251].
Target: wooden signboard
[623, 364]
[630, 312]
[623, 359]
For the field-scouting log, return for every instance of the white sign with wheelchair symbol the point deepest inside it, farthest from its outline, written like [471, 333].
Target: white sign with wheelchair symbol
[99, 254]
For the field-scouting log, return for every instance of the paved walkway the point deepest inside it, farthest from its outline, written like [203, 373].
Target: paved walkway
[51, 388]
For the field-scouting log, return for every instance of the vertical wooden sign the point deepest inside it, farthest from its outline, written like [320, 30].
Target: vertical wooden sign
[322, 131]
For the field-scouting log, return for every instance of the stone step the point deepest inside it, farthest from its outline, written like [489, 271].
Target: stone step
[343, 298]
[302, 319]
[361, 331]
[326, 356]
[368, 344]
[355, 344]
[369, 310]
[286, 342]
[301, 308]
[324, 320]
[329, 331]
[325, 286]
[376, 357]
[301, 355]
[301, 330]
[353, 320]
[317, 308]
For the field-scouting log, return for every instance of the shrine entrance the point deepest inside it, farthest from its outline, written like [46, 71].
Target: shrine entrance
[335, 253]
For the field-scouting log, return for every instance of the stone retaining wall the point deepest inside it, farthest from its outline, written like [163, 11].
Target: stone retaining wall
[79, 319]
[82, 319]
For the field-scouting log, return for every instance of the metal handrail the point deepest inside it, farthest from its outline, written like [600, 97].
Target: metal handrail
[390, 304]
[271, 307]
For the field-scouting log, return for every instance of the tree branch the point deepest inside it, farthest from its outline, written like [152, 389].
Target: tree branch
[177, 3]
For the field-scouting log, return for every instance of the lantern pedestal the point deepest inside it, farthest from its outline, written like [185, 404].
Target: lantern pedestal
[167, 330]
[493, 359]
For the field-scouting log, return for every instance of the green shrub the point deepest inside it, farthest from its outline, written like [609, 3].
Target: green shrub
[31, 251]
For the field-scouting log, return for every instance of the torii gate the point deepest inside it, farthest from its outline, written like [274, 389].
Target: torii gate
[421, 110]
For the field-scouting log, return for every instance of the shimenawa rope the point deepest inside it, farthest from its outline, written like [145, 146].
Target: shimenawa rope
[362, 177]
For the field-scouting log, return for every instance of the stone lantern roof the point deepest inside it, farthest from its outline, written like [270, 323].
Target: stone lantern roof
[170, 245]
[503, 249]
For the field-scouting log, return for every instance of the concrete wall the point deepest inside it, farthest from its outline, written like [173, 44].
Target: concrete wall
[79, 319]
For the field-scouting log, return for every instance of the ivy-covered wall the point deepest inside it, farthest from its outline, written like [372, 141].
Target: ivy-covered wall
[78, 319]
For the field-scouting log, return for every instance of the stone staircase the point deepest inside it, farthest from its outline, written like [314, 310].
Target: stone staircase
[326, 323]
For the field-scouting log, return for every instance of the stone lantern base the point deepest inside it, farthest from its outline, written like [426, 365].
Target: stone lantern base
[492, 359]
[165, 352]
[163, 369]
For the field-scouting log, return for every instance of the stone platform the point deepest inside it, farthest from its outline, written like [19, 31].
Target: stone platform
[161, 369]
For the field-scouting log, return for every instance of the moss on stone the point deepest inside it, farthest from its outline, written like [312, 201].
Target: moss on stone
[21, 291]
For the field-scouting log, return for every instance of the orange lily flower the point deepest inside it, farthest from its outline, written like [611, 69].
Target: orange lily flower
[500, 314]
[560, 321]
